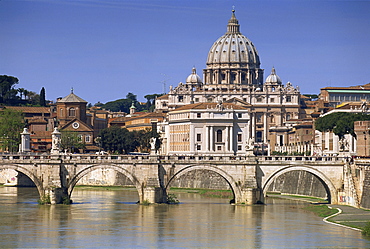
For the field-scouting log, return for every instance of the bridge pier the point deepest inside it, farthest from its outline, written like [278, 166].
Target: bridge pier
[55, 195]
[153, 195]
[249, 196]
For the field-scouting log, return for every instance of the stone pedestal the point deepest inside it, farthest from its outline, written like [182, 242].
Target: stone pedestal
[56, 141]
[25, 141]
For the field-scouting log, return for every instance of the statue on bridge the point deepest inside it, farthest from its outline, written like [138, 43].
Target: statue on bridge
[153, 142]
[249, 147]
[56, 141]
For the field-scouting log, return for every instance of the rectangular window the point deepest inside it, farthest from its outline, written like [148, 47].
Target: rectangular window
[239, 147]
[199, 115]
[219, 147]
[288, 99]
[272, 100]
[87, 139]
[199, 147]
[239, 137]
[199, 137]
[239, 115]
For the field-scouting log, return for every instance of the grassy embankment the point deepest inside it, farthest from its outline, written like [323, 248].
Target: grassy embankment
[320, 208]
[214, 193]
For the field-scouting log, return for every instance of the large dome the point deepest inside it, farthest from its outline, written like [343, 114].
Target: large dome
[233, 47]
[233, 59]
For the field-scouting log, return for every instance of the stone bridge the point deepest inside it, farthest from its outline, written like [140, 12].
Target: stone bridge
[249, 177]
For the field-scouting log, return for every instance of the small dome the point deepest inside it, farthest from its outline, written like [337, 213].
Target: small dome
[193, 78]
[273, 78]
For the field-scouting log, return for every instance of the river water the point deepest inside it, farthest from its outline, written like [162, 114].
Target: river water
[112, 219]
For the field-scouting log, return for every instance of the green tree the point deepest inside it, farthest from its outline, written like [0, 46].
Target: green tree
[340, 123]
[42, 97]
[71, 141]
[118, 140]
[150, 104]
[7, 91]
[131, 97]
[11, 125]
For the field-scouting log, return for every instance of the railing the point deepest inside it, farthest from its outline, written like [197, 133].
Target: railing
[182, 158]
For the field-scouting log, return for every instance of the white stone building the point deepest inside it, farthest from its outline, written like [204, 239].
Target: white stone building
[233, 75]
[208, 128]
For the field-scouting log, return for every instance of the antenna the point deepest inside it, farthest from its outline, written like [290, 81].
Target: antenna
[164, 81]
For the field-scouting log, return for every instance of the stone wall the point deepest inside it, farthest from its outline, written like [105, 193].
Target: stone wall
[298, 183]
[365, 199]
[202, 179]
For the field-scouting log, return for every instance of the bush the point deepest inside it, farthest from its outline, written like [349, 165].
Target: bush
[366, 229]
[172, 199]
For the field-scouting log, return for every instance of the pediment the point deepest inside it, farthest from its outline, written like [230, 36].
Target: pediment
[76, 125]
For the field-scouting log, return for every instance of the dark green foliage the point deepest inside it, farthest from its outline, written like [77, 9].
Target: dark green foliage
[117, 140]
[11, 125]
[124, 105]
[150, 104]
[120, 140]
[44, 200]
[42, 97]
[366, 229]
[120, 105]
[172, 199]
[71, 142]
[340, 123]
[311, 96]
[7, 91]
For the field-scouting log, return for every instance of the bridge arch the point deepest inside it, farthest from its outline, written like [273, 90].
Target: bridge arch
[327, 183]
[229, 179]
[74, 180]
[28, 173]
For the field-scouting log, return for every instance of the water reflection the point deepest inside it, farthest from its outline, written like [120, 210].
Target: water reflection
[101, 218]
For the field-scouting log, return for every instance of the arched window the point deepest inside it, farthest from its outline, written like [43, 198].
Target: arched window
[72, 112]
[272, 119]
[219, 136]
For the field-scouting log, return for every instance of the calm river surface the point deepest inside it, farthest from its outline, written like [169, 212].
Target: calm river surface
[111, 219]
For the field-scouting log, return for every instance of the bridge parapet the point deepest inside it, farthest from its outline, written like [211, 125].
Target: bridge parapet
[170, 158]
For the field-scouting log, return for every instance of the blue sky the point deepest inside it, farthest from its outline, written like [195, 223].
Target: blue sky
[105, 49]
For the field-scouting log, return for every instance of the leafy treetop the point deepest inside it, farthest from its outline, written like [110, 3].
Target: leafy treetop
[340, 123]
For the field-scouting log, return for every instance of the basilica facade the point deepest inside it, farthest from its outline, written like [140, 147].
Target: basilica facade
[232, 106]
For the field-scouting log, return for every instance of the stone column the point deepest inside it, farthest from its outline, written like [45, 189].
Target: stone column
[253, 117]
[211, 144]
[206, 140]
[231, 139]
[265, 130]
[25, 141]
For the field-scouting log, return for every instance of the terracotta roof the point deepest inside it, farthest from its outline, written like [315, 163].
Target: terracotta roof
[41, 134]
[163, 97]
[359, 87]
[147, 115]
[72, 98]
[117, 120]
[37, 120]
[29, 109]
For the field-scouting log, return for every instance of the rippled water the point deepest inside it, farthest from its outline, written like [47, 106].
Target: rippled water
[112, 219]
